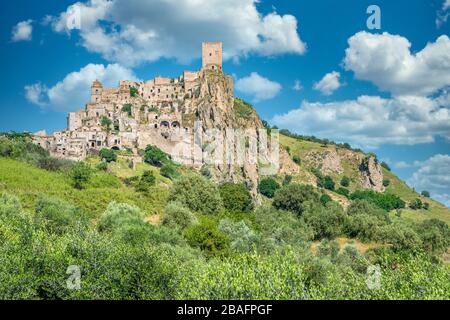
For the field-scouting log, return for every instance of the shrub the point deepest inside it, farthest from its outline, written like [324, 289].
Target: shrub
[386, 182]
[400, 236]
[287, 179]
[242, 238]
[343, 191]
[386, 166]
[297, 159]
[146, 181]
[168, 170]
[435, 235]
[292, 197]
[196, 193]
[385, 201]
[102, 166]
[205, 171]
[127, 108]
[208, 238]
[134, 92]
[53, 164]
[106, 122]
[117, 215]
[425, 193]
[416, 204]
[57, 216]
[155, 156]
[108, 155]
[364, 226]
[268, 186]
[325, 221]
[80, 174]
[357, 207]
[324, 199]
[326, 182]
[177, 216]
[345, 181]
[235, 197]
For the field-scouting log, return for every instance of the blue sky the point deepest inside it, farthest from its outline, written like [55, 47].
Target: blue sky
[383, 90]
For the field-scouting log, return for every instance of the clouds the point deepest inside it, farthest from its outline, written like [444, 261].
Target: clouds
[387, 61]
[258, 87]
[135, 31]
[73, 92]
[22, 31]
[329, 83]
[434, 175]
[371, 121]
[443, 14]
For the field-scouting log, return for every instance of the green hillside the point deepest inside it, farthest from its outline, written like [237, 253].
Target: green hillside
[303, 148]
[162, 231]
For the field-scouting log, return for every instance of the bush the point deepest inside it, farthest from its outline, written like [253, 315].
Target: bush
[155, 156]
[385, 201]
[80, 174]
[242, 238]
[196, 193]
[106, 122]
[345, 181]
[425, 193]
[53, 164]
[287, 179]
[205, 171]
[168, 170]
[292, 197]
[386, 166]
[386, 182]
[177, 216]
[208, 238]
[400, 236]
[102, 166]
[117, 215]
[108, 155]
[435, 235]
[134, 92]
[57, 216]
[325, 221]
[235, 197]
[324, 199]
[416, 204]
[326, 182]
[146, 181]
[343, 191]
[268, 186]
[364, 226]
[127, 108]
[297, 159]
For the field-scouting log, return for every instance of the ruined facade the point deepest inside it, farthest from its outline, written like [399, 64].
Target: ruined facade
[159, 111]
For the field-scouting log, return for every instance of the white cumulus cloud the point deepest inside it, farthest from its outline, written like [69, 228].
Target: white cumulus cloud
[434, 176]
[135, 31]
[22, 31]
[387, 61]
[329, 83]
[258, 87]
[443, 14]
[73, 92]
[297, 86]
[371, 121]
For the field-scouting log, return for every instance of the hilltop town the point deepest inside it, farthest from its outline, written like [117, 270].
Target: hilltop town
[160, 112]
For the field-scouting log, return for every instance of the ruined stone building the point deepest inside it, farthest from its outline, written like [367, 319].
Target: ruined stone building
[135, 114]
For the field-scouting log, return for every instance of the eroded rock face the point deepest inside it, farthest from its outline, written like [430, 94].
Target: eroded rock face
[327, 161]
[371, 174]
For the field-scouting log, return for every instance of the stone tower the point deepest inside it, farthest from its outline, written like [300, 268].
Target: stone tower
[212, 55]
[96, 91]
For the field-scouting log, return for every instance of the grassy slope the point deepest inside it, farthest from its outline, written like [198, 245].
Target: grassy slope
[397, 186]
[28, 182]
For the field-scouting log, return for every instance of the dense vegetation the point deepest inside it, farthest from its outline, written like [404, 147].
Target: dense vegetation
[212, 241]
